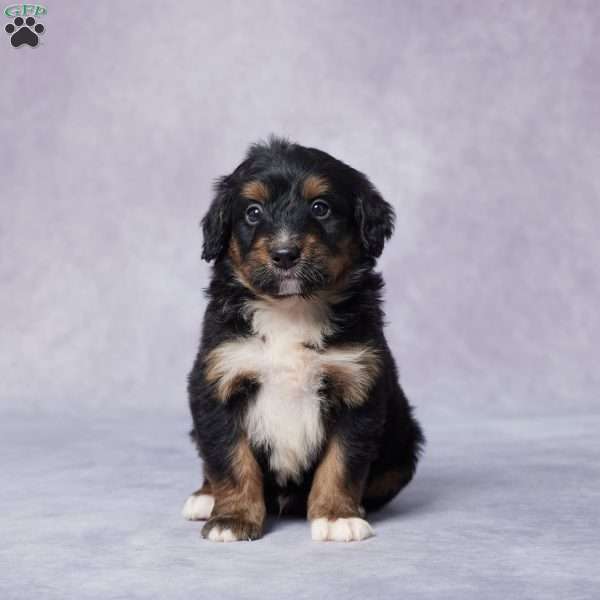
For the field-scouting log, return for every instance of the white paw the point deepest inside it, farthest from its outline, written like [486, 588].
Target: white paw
[198, 507]
[340, 530]
[217, 534]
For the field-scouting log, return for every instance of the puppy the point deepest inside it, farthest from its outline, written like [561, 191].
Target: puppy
[294, 393]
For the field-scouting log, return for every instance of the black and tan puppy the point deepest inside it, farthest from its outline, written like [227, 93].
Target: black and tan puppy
[294, 393]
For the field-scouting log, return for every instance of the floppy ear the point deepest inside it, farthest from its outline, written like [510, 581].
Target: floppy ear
[216, 224]
[375, 219]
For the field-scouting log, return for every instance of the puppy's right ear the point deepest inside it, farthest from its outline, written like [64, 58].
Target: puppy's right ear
[216, 224]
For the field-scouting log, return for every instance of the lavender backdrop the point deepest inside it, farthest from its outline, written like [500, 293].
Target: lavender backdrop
[477, 120]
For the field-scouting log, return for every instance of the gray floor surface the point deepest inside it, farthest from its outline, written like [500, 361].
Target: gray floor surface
[501, 508]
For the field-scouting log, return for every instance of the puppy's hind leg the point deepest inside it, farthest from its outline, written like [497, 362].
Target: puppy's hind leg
[395, 467]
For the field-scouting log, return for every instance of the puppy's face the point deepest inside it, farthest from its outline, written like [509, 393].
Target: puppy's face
[292, 221]
[291, 234]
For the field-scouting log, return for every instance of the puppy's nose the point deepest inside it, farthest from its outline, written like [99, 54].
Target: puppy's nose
[285, 258]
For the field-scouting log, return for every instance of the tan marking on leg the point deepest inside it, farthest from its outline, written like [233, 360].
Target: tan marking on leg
[333, 502]
[331, 496]
[239, 510]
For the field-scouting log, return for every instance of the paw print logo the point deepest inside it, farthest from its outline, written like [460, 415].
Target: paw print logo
[24, 32]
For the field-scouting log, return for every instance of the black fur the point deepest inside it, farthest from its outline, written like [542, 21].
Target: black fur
[381, 434]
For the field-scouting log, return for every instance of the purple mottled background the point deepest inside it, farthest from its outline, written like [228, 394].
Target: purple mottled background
[478, 121]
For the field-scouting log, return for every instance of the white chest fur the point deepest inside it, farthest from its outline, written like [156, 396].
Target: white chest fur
[285, 417]
[286, 354]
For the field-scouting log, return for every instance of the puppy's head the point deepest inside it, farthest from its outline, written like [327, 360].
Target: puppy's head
[293, 220]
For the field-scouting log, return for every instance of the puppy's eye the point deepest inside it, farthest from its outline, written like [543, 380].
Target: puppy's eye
[254, 214]
[320, 209]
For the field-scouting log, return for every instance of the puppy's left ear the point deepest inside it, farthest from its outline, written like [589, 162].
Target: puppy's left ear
[375, 219]
[216, 224]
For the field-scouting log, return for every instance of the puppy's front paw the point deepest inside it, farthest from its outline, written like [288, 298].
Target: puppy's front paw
[340, 530]
[230, 529]
[198, 507]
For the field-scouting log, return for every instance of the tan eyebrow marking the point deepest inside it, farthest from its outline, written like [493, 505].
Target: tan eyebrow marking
[255, 190]
[314, 186]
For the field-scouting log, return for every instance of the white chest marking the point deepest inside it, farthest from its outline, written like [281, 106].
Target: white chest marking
[286, 356]
[285, 417]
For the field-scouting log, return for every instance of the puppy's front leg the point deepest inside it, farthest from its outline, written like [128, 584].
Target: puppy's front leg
[334, 500]
[239, 510]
